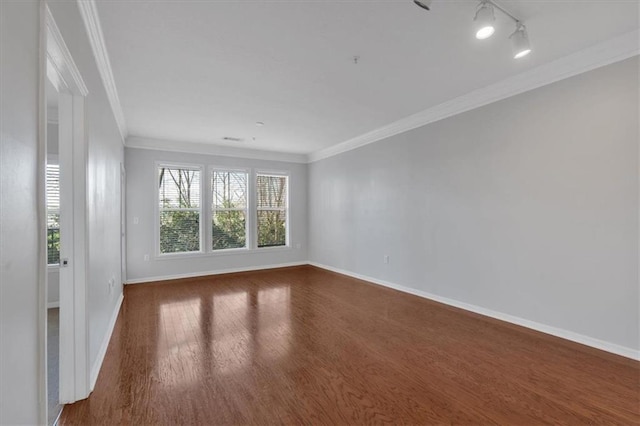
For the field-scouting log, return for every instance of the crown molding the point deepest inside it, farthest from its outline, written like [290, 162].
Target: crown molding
[605, 53]
[212, 149]
[89, 13]
[61, 69]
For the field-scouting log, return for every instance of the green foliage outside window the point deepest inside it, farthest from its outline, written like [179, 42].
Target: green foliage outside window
[229, 229]
[272, 210]
[179, 191]
[229, 209]
[53, 246]
[272, 230]
[179, 231]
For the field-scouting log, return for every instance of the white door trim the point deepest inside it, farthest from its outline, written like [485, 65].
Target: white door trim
[123, 224]
[58, 66]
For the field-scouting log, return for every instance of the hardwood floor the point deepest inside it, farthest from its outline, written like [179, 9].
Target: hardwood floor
[306, 346]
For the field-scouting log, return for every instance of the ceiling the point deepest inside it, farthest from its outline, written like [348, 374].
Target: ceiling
[199, 71]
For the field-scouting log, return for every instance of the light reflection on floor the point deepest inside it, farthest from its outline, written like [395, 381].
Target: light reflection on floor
[245, 327]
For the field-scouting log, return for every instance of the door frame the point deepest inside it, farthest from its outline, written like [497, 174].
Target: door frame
[123, 224]
[57, 66]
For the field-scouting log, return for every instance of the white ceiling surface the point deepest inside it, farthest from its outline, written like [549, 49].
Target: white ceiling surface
[198, 71]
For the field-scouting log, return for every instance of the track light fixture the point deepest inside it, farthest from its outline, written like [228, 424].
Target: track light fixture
[483, 22]
[520, 41]
[483, 26]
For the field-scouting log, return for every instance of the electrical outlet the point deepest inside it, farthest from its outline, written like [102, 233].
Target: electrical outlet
[136, 220]
[146, 257]
[386, 259]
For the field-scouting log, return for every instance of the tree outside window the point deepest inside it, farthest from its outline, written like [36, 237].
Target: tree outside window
[272, 209]
[179, 197]
[229, 209]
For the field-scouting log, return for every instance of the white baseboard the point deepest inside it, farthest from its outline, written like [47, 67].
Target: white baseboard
[216, 272]
[51, 305]
[95, 370]
[554, 331]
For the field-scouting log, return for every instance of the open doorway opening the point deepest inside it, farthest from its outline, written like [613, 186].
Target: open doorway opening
[64, 357]
[53, 255]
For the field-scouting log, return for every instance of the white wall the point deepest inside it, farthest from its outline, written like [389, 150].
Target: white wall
[52, 141]
[105, 153]
[19, 245]
[528, 206]
[142, 201]
[53, 287]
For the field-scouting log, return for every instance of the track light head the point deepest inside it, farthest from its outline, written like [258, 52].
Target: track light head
[483, 21]
[520, 41]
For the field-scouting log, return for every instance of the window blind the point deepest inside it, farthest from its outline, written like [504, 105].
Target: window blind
[179, 208]
[272, 210]
[229, 209]
[53, 213]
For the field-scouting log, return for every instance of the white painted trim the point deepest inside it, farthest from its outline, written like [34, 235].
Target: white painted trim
[74, 340]
[59, 58]
[41, 205]
[201, 168]
[254, 214]
[89, 13]
[216, 272]
[247, 211]
[605, 53]
[51, 305]
[547, 329]
[212, 149]
[95, 370]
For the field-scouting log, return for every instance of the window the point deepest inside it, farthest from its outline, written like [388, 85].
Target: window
[272, 209]
[53, 214]
[229, 209]
[179, 209]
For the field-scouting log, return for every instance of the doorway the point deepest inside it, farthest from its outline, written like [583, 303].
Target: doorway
[64, 328]
[53, 255]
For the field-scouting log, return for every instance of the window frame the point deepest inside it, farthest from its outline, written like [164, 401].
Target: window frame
[206, 211]
[255, 209]
[158, 210]
[209, 225]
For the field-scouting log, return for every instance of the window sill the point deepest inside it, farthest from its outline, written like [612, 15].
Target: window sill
[53, 267]
[224, 252]
[273, 248]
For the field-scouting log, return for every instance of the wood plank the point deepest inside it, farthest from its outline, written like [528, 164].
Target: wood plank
[303, 345]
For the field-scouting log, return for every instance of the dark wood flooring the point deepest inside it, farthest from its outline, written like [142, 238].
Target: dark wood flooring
[306, 346]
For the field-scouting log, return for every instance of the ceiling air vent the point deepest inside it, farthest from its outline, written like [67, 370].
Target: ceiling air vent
[231, 139]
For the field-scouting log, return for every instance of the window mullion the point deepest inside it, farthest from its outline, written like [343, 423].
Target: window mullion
[252, 223]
